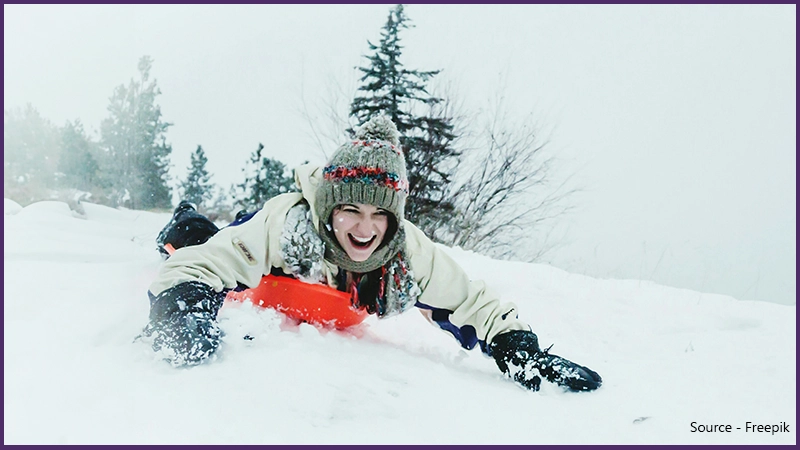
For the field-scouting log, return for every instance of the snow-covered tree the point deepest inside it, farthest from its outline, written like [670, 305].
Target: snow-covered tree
[134, 138]
[220, 208]
[264, 178]
[388, 88]
[197, 187]
[30, 154]
[78, 167]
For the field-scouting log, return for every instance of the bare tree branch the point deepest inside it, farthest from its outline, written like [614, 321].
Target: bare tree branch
[328, 116]
[507, 195]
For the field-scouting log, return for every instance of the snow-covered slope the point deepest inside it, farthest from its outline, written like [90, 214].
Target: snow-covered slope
[75, 298]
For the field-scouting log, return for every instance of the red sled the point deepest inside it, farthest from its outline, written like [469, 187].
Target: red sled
[313, 303]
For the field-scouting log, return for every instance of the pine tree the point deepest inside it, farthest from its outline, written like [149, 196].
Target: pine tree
[30, 155]
[220, 208]
[134, 138]
[77, 164]
[264, 178]
[197, 188]
[396, 92]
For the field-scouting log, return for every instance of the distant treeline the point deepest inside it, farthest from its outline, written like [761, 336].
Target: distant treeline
[483, 188]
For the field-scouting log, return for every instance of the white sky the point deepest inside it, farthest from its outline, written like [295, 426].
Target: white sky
[678, 121]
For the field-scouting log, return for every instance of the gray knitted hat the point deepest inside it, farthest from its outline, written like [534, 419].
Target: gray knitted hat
[370, 169]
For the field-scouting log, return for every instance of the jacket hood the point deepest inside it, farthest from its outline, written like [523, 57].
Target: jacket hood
[307, 177]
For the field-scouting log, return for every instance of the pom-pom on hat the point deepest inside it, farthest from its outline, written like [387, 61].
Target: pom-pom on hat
[370, 169]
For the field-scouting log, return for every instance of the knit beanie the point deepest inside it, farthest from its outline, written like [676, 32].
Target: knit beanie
[370, 169]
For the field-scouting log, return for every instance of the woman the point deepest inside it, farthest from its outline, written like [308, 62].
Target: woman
[344, 229]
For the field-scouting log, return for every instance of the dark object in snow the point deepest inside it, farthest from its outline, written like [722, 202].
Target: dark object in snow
[518, 355]
[187, 227]
[183, 323]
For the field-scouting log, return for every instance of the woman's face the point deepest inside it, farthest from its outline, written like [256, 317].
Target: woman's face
[359, 228]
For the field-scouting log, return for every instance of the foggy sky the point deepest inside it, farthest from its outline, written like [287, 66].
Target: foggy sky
[678, 122]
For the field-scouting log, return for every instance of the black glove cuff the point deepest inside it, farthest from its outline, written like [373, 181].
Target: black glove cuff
[186, 297]
[507, 344]
[513, 347]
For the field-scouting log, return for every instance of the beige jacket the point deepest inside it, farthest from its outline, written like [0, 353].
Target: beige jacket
[244, 253]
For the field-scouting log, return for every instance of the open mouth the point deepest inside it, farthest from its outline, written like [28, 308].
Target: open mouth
[359, 242]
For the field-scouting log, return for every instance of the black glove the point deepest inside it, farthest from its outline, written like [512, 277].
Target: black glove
[518, 355]
[187, 227]
[183, 324]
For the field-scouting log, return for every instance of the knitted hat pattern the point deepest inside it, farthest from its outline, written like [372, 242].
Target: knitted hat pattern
[371, 170]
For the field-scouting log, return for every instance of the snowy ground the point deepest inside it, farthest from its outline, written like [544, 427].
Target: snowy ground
[75, 297]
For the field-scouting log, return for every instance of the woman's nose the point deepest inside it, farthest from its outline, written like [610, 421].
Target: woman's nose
[365, 226]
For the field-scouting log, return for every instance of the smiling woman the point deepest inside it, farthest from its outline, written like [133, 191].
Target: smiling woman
[359, 229]
[344, 230]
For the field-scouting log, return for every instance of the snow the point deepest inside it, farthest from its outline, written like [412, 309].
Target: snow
[11, 207]
[75, 298]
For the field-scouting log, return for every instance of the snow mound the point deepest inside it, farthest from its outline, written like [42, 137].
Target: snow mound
[11, 207]
[75, 299]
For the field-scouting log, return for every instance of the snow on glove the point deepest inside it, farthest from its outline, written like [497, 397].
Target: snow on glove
[518, 355]
[183, 326]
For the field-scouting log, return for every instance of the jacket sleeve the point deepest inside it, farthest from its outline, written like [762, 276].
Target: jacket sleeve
[236, 254]
[465, 308]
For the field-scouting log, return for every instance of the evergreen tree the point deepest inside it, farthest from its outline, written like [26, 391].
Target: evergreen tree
[77, 165]
[197, 188]
[220, 208]
[392, 90]
[133, 137]
[30, 155]
[264, 178]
